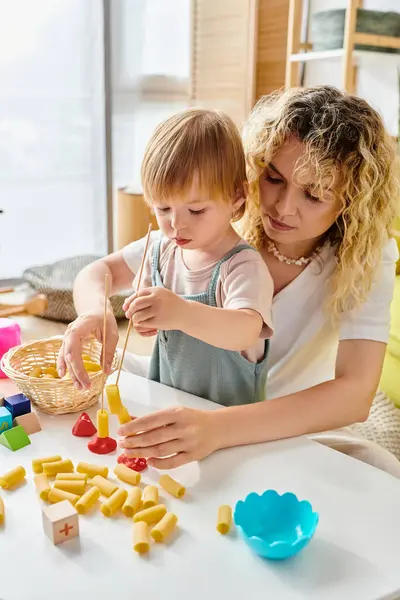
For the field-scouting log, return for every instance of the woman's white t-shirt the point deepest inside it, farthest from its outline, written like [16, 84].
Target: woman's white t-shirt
[304, 346]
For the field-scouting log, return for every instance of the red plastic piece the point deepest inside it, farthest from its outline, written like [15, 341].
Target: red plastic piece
[102, 445]
[84, 426]
[136, 464]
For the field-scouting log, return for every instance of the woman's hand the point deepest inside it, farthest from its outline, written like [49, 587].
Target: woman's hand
[70, 354]
[172, 437]
[156, 308]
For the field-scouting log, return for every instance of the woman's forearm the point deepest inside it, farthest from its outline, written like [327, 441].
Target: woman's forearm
[329, 405]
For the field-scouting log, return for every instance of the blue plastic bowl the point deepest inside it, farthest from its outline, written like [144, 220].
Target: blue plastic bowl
[275, 526]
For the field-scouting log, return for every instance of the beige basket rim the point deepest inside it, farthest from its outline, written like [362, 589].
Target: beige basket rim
[12, 373]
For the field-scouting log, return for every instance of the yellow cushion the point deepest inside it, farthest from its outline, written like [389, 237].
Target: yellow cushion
[390, 378]
[394, 338]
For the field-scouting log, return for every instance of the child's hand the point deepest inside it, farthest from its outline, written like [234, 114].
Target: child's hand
[156, 308]
[145, 331]
[180, 434]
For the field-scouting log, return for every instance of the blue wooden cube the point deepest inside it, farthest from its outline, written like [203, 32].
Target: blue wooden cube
[18, 405]
[5, 419]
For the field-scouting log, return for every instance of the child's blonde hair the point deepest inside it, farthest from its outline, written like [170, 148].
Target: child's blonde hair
[195, 143]
[349, 151]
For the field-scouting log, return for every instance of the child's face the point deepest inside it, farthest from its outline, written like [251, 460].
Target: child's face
[194, 221]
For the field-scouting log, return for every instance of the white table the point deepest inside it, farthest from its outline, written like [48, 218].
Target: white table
[355, 554]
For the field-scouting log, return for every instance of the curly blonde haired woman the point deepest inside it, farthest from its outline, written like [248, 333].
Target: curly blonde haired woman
[323, 194]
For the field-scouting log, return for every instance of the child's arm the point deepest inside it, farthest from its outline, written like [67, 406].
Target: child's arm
[228, 329]
[247, 298]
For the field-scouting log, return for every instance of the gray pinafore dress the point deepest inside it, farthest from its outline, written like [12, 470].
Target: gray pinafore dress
[191, 365]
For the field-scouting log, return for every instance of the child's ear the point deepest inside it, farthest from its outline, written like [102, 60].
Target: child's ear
[240, 196]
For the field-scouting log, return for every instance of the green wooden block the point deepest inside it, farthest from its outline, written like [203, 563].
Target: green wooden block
[15, 438]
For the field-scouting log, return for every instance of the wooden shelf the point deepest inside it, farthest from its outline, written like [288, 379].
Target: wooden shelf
[332, 54]
[349, 54]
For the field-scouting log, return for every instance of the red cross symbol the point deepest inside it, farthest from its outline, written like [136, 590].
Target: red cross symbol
[66, 529]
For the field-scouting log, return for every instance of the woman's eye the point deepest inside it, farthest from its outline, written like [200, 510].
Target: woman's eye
[197, 212]
[312, 198]
[273, 180]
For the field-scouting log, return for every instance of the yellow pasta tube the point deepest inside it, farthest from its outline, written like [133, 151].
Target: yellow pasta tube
[51, 371]
[2, 511]
[61, 466]
[102, 424]
[114, 399]
[106, 487]
[91, 367]
[126, 474]
[133, 503]
[42, 486]
[71, 477]
[141, 538]
[37, 463]
[92, 470]
[86, 357]
[224, 521]
[75, 487]
[151, 515]
[56, 495]
[164, 528]
[114, 502]
[88, 499]
[35, 372]
[12, 478]
[171, 486]
[124, 416]
[150, 496]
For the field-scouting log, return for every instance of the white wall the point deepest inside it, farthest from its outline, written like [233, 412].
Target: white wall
[377, 75]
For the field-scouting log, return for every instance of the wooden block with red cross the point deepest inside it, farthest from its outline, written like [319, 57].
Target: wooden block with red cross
[60, 522]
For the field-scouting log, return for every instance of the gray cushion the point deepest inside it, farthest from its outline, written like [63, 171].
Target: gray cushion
[56, 282]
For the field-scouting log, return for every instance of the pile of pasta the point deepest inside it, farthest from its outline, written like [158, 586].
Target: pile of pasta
[56, 480]
[50, 371]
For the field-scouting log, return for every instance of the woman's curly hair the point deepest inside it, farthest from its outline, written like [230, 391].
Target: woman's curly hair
[349, 151]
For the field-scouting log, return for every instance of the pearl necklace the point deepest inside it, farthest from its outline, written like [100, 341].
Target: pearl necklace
[303, 260]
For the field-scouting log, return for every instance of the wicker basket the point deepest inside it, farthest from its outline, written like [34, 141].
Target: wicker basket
[53, 396]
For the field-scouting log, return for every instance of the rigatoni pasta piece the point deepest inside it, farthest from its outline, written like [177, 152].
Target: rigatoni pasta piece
[75, 487]
[61, 466]
[37, 463]
[2, 511]
[72, 477]
[12, 478]
[105, 486]
[150, 496]
[133, 503]
[141, 538]
[126, 474]
[92, 470]
[56, 495]
[113, 398]
[164, 528]
[89, 498]
[151, 515]
[114, 502]
[102, 424]
[224, 521]
[171, 486]
[42, 485]
[124, 416]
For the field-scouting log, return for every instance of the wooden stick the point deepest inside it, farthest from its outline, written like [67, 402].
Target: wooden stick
[103, 357]
[137, 289]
